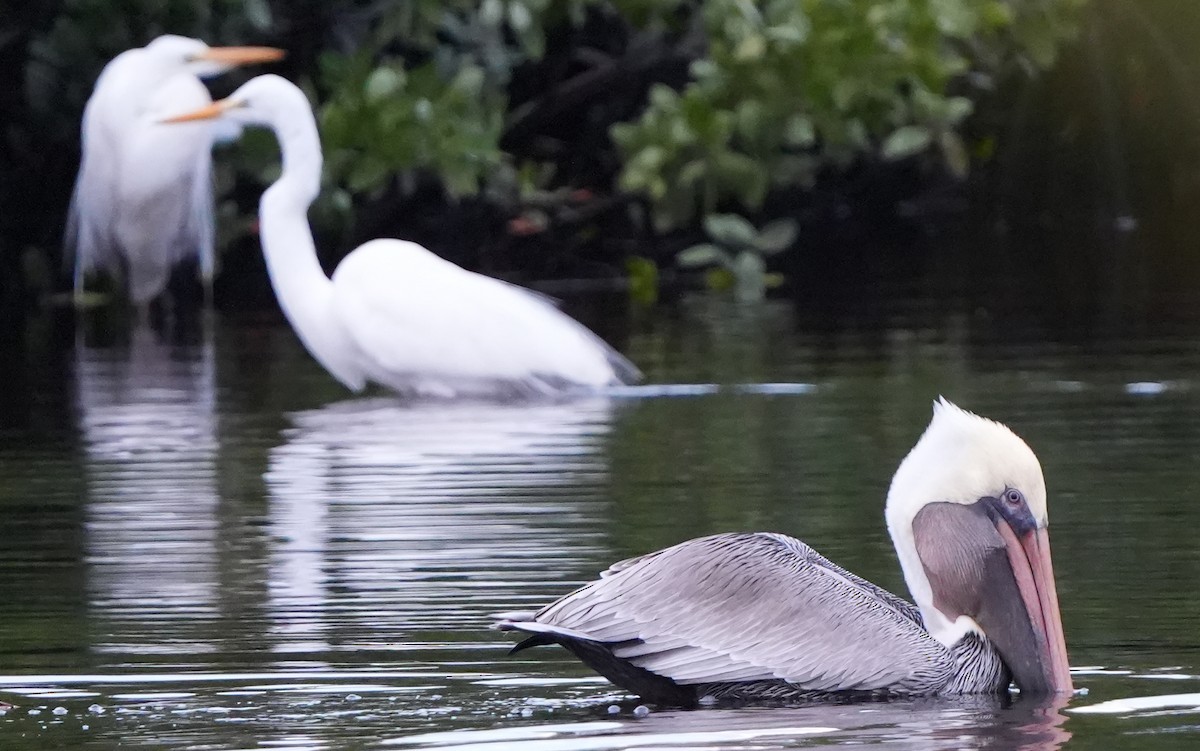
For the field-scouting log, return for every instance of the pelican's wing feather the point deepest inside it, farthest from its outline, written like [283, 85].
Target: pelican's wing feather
[754, 607]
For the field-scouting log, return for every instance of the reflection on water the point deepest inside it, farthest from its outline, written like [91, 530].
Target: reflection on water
[148, 422]
[264, 562]
[388, 518]
[924, 725]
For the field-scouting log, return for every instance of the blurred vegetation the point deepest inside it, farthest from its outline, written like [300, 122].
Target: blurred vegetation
[788, 88]
[740, 251]
[555, 137]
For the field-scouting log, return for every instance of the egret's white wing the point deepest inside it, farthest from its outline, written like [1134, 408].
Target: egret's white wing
[422, 320]
[144, 191]
[188, 148]
[754, 607]
[91, 218]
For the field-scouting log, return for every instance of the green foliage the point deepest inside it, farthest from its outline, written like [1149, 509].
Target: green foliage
[383, 120]
[740, 250]
[643, 280]
[424, 93]
[791, 86]
[777, 91]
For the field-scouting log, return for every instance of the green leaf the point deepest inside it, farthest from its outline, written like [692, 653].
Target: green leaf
[751, 274]
[704, 254]
[906, 141]
[955, 18]
[954, 151]
[749, 116]
[383, 83]
[719, 279]
[751, 48]
[643, 280]
[664, 97]
[958, 108]
[776, 236]
[799, 132]
[996, 13]
[469, 81]
[693, 172]
[744, 177]
[491, 12]
[519, 17]
[788, 34]
[730, 230]
[258, 13]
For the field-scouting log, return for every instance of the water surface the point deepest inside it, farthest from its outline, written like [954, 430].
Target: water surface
[208, 544]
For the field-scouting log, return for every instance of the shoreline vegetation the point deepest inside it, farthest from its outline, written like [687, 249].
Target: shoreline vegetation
[637, 145]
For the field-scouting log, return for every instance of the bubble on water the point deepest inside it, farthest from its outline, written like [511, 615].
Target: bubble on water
[84, 727]
[641, 710]
[35, 711]
[527, 711]
[614, 709]
[352, 697]
[60, 710]
[96, 709]
[1081, 691]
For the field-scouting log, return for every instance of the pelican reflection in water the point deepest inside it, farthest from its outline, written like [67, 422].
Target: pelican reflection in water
[762, 616]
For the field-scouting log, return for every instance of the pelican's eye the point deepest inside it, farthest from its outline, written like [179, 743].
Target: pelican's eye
[1013, 498]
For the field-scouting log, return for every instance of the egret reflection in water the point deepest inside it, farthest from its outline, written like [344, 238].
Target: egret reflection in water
[385, 514]
[148, 422]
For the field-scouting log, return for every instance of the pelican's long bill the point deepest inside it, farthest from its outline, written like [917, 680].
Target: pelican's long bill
[207, 112]
[1029, 557]
[241, 55]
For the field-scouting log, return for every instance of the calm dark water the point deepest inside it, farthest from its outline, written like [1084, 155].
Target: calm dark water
[208, 545]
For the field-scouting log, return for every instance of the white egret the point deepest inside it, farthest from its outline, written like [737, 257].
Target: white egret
[143, 199]
[394, 313]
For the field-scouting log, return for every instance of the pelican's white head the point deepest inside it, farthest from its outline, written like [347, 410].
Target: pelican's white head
[967, 514]
[961, 458]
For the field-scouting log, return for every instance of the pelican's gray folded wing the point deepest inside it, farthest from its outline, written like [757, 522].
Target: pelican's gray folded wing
[754, 607]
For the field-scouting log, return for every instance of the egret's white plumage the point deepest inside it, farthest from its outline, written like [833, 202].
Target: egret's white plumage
[143, 197]
[394, 313]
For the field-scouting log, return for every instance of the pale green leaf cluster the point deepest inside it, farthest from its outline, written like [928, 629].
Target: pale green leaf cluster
[740, 250]
[788, 87]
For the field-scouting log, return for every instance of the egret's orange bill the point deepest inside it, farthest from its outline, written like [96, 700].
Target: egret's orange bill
[208, 112]
[242, 55]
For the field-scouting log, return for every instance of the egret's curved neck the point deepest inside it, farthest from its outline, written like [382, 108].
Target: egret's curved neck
[301, 286]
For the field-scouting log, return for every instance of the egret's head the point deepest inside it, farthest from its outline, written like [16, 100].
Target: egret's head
[268, 100]
[203, 61]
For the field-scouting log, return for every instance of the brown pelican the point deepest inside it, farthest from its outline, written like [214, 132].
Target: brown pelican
[762, 616]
